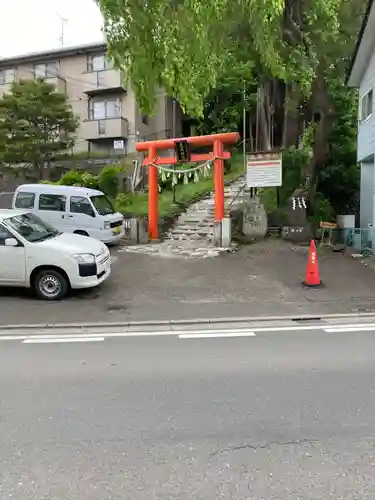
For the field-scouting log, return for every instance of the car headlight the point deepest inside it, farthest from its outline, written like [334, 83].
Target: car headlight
[107, 225]
[84, 258]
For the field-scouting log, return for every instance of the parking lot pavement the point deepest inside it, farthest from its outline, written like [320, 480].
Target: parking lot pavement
[6, 199]
[263, 279]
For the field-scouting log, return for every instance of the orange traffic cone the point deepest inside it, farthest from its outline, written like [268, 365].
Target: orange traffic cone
[312, 277]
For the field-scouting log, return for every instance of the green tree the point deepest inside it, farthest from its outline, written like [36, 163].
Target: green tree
[293, 53]
[36, 124]
[186, 45]
[339, 180]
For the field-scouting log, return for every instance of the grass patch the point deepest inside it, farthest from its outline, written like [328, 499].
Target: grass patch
[137, 203]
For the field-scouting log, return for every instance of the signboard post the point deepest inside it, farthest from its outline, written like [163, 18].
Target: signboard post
[264, 170]
[329, 227]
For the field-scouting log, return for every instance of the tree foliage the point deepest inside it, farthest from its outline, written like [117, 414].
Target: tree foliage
[290, 57]
[36, 124]
[185, 46]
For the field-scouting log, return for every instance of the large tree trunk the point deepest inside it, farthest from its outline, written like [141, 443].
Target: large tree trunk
[323, 107]
[264, 113]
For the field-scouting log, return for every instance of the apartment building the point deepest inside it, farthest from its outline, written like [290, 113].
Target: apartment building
[110, 118]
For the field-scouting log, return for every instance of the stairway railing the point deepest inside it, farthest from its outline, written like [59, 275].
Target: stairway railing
[240, 190]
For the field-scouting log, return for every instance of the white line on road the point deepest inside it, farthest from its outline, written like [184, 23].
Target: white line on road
[350, 328]
[208, 335]
[60, 337]
[60, 340]
[116, 334]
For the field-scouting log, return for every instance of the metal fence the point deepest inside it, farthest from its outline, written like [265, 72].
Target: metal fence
[361, 240]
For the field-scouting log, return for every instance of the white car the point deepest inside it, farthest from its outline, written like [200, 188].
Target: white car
[34, 254]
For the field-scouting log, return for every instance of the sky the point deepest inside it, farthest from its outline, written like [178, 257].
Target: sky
[34, 25]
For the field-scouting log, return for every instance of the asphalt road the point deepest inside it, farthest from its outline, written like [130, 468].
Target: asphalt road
[281, 415]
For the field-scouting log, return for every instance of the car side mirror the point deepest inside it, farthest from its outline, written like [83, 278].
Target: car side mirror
[11, 242]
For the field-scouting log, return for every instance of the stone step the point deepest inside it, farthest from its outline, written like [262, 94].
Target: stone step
[182, 230]
[179, 232]
[182, 237]
[195, 220]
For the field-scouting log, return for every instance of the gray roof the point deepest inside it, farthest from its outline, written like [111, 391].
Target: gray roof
[90, 48]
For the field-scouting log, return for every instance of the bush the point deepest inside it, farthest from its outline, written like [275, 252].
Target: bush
[90, 181]
[323, 211]
[72, 178]
[108, 180]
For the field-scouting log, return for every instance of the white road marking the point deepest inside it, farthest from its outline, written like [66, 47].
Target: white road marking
[100, 336]
[343, 329]
[303, 328]
[216, 335]
[60, 340]
[115, 334]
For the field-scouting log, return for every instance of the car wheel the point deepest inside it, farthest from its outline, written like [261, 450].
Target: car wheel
[51, 285]
[82, 233]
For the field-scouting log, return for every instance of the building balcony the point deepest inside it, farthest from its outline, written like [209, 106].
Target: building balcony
[102, 82]
[109, 128]
[58, 82]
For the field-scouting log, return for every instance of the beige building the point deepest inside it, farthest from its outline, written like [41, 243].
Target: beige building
[110, 118]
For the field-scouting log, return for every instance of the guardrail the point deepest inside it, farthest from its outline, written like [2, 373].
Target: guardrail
[361, 239]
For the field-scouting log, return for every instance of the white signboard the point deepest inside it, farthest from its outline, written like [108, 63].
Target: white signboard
[118, 144]
[264, 170]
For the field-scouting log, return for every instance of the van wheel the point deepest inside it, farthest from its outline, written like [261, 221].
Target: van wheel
[51, 285]
[82, 233]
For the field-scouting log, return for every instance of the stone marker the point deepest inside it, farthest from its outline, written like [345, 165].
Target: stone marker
[254, 221]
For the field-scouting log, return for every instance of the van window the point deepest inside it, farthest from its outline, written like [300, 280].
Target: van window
[25, 200]
[81, 205]
[53, 202]
[102, 204]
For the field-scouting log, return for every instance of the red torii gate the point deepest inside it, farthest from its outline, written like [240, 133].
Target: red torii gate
[218, 155]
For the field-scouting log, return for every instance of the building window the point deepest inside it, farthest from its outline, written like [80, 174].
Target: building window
[46, 70]
[98, 62]
[145, 119]
[101, 127]
[366, 105]
[109, 108]
[25, 200]
[52, 202]
[7, 76]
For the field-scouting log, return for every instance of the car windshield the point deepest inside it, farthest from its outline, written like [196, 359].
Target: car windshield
[31, 227]
[102, 204]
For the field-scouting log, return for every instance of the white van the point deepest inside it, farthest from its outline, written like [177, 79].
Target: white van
[34, 254]
[72, 209]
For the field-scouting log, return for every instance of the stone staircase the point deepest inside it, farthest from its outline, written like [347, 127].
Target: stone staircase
[192, 234]
[197, 223]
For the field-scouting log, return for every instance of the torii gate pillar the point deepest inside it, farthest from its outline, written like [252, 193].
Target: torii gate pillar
[181, 146]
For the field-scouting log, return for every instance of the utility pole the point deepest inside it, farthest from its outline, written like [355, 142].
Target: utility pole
[63, 22]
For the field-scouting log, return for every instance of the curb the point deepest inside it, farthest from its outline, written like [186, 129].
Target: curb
[182, 322]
